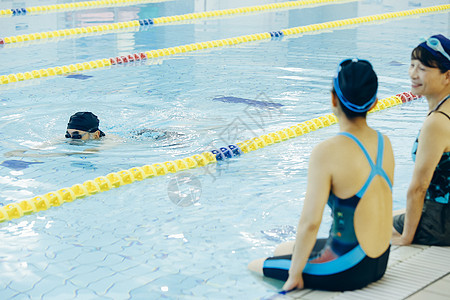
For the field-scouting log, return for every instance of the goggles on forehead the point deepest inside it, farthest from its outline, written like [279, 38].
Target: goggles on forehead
[436, 45]
[351, 106]
[75, 135]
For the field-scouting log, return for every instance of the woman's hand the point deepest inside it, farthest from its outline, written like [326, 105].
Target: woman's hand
[293, 282]
[398, 240]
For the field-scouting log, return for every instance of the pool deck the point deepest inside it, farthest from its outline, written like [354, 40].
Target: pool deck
[414, 272]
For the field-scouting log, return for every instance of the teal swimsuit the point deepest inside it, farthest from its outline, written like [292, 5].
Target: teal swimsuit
[434, 225]
[339, 263]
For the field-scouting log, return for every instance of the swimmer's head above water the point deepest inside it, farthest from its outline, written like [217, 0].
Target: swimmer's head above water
[83, 126]
[355, 85]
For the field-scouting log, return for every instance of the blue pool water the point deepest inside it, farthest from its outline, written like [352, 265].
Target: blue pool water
[187, 235]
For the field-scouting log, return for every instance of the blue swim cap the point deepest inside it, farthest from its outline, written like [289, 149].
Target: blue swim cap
[439, 47]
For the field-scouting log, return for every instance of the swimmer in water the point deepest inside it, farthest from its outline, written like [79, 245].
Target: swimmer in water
[82, 127]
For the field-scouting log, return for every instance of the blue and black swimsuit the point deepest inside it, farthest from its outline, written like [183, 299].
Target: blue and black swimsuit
[338, 263]
[434, 224]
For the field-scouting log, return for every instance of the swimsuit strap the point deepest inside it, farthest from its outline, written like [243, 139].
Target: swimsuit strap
[439, 105]
[355, 139]
[376, 169]
[438, 111]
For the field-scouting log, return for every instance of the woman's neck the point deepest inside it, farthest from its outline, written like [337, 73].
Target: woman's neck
[352, 125]
[434, 100]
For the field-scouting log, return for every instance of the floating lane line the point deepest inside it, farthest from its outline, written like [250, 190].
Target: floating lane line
[137, 24]
[34, 10]
[114, 180]
[106, 62]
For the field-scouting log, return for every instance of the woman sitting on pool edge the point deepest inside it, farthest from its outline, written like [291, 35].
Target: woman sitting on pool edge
[353, 172]
[427, 217]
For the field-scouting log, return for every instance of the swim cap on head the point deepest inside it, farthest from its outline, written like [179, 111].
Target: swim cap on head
[439, 47]
[85, 121]
[356, 84]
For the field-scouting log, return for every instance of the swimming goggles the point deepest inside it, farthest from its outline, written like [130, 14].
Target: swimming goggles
[436, 45]
[75, 135]
[351, 106]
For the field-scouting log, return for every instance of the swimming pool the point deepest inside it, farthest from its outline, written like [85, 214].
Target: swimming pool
[188, 234]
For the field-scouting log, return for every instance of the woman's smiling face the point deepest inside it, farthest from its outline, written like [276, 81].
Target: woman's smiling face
[425, 81]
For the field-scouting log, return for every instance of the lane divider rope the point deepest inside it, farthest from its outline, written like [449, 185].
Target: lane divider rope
[101, 63]
[71, 6]
[116, 179]
[136, 24]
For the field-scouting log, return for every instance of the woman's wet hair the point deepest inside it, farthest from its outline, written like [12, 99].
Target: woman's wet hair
[427, 59]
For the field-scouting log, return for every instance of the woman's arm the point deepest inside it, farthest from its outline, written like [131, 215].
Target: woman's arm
[317, 192]
[429, 152]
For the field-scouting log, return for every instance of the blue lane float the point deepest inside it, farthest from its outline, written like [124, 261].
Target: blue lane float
[146, 22]
[227, 152]
[18, 11]
[276, 33]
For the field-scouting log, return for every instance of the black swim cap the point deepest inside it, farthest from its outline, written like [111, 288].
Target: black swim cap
[85, 121]
[356, 84]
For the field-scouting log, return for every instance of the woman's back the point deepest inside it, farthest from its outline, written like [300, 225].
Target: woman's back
[350, 170]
